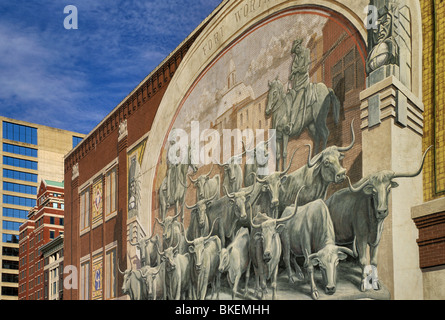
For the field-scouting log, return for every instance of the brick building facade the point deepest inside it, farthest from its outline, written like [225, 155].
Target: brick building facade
[114, 178]
[101, 245]
[45, 223]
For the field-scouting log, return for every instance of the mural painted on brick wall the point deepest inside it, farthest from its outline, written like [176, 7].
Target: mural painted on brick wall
[260, 172]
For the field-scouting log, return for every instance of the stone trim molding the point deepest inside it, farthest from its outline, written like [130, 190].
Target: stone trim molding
[429, 218]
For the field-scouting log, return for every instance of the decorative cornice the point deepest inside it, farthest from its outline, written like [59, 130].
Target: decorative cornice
[150, 85]
[75, 172]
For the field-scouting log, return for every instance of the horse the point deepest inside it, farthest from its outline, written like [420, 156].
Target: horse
[177, 190]
[313, 117]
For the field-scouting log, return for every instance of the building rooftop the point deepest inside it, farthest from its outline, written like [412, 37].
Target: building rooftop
[54, 183]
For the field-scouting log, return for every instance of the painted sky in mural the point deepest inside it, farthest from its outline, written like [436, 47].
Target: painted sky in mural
[261, 56]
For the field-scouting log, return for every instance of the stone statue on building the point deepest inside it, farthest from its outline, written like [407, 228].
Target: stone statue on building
[384, 49]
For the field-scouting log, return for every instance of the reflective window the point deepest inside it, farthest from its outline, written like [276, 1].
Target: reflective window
[15, 187]
[21, 133]
[11, 225]
[10, 238]
[76, 140]
[26, 202]
[19, 175]
[15, 213]
[22, 163]
[24, 151]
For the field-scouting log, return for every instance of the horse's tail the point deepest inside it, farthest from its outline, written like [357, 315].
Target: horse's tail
[335, 105]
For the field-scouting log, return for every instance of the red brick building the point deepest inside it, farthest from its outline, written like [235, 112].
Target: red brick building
[96, 185]
[45, 223]
[114, 178]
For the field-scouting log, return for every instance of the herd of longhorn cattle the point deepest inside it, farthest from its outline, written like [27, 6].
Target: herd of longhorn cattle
[274, 218]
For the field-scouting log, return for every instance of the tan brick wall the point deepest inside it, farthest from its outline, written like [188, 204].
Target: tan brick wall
[437, 120]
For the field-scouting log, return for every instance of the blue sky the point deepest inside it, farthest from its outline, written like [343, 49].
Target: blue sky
[71, 79]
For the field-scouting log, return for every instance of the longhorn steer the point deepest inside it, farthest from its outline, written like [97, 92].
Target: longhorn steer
[173, 233]
[316, 175]
[155, 281]
[199, 221]
[134, 284]
[310, 233]
[235, 260]
[230, 209]
[233, 175]
[205, 261]
[177, 273]
[206, 186]
[146, 246]
[256, 161]
[265, 250]
[267, 191]
[358, 213]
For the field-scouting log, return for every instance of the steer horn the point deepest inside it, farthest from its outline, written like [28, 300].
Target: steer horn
[312, 162]
[251, 220]
[187, 240]
[211, 230]
[412, 175]
[161, 253]
[160, 222]
[290, 163]
[184, 184]
[227, 193]
[119, 269]
[295, 211]
[359, 187]
[190, 207]
[346, 250]
[207, 175]
[344, 149]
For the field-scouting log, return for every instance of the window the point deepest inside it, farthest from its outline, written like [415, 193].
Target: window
[22, 163]
[20, 201]
[84, 210]
[350, 70]
[52, 220]
[8, 291]
[15, 213]
[8, 251]
[76, 140]
[21, 133]
[85, 281]
[21, 188]
[52, 234]
[10, 238]
[110, 191]
[11, 265]
[11, 225]
[7, 277]
[24, 151]
[110, 275]
[19, 175]
[61, 221]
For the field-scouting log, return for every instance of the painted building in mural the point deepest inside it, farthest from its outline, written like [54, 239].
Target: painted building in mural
[257, 150]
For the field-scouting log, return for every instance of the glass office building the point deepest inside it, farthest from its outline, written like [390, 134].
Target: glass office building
[29, 153]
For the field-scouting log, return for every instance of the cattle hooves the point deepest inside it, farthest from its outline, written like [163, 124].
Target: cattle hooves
[315, 295]
[300, 276]
[376, 285]
[363, 287]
